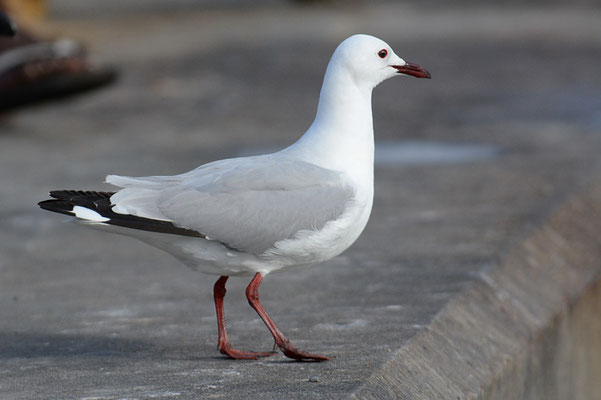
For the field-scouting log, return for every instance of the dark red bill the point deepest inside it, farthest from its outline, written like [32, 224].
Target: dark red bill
[413, 70]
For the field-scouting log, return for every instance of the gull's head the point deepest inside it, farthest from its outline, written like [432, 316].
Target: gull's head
[370, 61]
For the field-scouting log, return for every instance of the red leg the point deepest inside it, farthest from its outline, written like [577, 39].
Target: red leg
[252, 294]
[224, 344]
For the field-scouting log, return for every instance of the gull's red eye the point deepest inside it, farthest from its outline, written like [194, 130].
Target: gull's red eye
[382, 53]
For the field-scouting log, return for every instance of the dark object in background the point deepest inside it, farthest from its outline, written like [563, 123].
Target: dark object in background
[7, 26]
[33, 71]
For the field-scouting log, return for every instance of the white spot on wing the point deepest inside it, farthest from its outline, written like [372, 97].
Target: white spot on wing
[90, 215]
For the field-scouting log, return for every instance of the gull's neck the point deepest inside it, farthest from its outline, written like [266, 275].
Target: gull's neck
[341, 136]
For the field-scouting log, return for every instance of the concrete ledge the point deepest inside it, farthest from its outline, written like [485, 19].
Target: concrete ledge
[530, 329]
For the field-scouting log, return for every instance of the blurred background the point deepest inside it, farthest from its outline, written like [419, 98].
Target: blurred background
[466, 164]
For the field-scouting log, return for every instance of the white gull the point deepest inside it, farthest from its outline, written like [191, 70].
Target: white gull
[250, 216]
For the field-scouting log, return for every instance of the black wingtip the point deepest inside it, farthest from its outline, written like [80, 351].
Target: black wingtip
[72, 194]
[58, 206]
[63, 202]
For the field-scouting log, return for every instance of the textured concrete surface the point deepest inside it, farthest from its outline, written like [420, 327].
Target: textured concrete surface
[85, 314]
[529, 329]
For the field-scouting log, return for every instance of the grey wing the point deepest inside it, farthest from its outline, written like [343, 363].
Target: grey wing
[250, 204]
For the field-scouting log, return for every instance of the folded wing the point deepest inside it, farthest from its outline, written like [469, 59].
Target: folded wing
[248, 204]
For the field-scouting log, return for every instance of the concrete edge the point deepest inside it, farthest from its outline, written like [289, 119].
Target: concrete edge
[528, 329]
